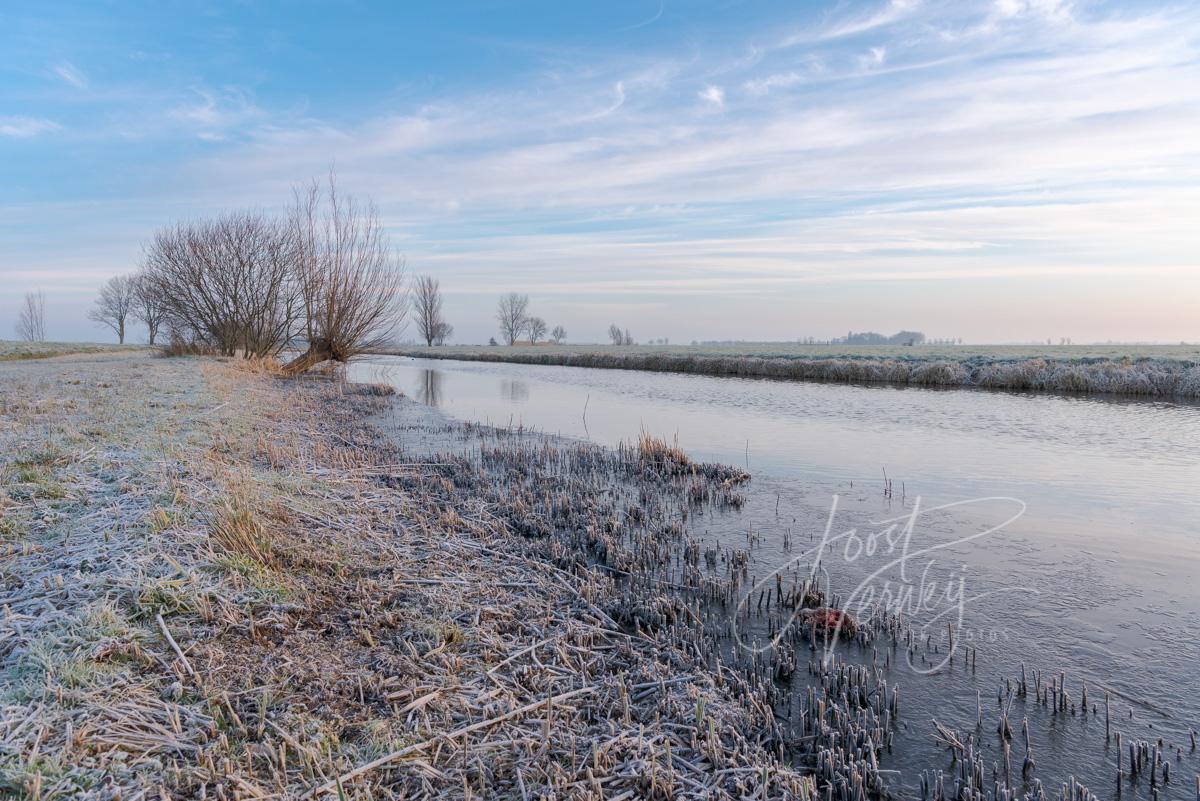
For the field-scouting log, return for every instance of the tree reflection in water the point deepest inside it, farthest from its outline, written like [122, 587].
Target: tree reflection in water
[430, 390]
[514, 391]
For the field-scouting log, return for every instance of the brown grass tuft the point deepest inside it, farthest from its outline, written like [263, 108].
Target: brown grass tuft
[181, 347]
[660, 453]
[238, 529]
[380, 390]
[265, 365]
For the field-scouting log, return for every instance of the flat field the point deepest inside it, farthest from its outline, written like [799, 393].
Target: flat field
[219, 583]
[774, 350]
[14, 350]
[1159, 371]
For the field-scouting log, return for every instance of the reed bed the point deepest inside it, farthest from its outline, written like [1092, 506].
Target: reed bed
[1147, 376]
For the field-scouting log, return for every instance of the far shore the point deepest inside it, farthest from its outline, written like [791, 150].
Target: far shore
[1158, 371]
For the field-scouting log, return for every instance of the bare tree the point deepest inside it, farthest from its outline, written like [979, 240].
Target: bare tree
[558, 334]
[536, 327]
[31, 320]
[227, 283]
[351, 282]
[443, 332]
[628, 338]
[148, 305]
[427, 308]
[115, 304]
[512, 314]
[616, 334]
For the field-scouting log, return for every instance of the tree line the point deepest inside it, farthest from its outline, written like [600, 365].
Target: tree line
[512, 313]
[322, 278]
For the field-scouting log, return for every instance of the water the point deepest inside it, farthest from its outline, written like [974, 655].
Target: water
[1097, 576]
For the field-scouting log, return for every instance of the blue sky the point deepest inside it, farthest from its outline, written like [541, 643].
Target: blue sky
[999, 171]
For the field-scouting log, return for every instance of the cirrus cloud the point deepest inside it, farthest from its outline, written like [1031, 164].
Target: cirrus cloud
[26, 127]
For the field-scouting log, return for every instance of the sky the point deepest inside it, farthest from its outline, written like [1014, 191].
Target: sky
[1001, 171]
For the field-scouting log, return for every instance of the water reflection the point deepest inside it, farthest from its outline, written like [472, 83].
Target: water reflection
[1066, 451]
[429, 389]
[514, 391]
[1108, 544]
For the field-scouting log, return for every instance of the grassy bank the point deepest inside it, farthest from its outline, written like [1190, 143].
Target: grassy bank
[1150, 371]
[218, 583]
[13, 350]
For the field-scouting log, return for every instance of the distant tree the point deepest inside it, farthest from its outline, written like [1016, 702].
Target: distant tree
[492, 341]
[627, 338]
[442, 332]
[115, 304]
[148, 306]
[512, 314]
[873, 338]
[558, 334]
[907, 338]
[616, 334]
[536, 327]
[31, 320]
[427, 308]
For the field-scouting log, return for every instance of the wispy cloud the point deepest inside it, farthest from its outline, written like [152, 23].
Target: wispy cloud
[69, 73]
[25, 127]
[618, 100]
[901, 141]
[890, 13]
[874, 57]
[714, 95]
[1049, 9]
[1107, 100]
[662, 6]
[215, 112]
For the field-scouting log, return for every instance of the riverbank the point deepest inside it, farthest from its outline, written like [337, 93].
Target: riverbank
[219, 583]
[1062, 590]
[1147, 371]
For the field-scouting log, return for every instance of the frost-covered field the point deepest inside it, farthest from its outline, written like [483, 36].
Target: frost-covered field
[216, 583]
[776, 350]
[1147, 370]
[109, 463]
[13, 350]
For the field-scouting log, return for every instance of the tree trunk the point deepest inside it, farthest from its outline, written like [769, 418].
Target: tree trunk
[318, 351]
